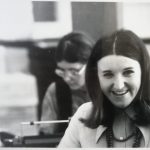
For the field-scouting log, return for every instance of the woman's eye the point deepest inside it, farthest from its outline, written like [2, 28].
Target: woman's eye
[128, 72]
[108, 75]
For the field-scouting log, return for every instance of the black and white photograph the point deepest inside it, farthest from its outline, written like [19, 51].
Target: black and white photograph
[74, 74]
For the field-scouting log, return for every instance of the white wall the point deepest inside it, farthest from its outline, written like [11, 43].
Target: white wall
[15, 19]
[135, 16]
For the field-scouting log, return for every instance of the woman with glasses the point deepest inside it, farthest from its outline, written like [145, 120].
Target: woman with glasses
[118, 81]
[64, 96]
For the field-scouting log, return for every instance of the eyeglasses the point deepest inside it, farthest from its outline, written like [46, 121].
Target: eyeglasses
[74, 72]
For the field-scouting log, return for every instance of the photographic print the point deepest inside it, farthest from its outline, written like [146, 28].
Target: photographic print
[74, 74]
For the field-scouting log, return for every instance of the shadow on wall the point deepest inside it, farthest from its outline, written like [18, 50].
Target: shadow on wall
[42, 65]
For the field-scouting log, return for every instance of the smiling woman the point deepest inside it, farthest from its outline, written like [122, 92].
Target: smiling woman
[118, 82]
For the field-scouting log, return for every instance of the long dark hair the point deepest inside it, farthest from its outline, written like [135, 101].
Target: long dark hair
[125, 43]
[63, 96]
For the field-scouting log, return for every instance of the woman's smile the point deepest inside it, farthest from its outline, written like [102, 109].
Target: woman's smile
[120, 93]
[120, 79]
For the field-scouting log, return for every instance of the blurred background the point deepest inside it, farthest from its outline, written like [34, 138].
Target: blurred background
[29, 33]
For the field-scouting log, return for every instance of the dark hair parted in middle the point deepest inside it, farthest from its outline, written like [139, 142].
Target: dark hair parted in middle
[74, 47]
[128, 44]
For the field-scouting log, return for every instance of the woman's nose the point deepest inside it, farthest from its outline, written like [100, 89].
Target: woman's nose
[67, 76]
[119, 83]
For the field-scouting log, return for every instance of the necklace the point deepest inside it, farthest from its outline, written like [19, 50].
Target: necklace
[110, 137]
[122, 139]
